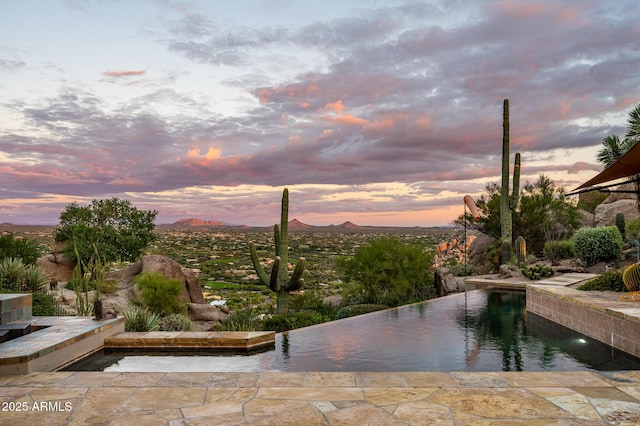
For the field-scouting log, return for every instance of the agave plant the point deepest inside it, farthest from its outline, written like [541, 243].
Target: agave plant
[34, 279]
[11, 273]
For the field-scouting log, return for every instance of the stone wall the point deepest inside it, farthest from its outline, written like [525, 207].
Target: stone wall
[614, 323]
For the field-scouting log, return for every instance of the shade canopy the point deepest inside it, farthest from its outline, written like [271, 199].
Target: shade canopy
[627, 165]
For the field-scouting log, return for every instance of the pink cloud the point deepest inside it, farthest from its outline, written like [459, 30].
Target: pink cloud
[123, 73]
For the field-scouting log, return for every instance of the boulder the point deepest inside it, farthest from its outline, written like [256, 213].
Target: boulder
[57, 266]
[200, 312]
[172, 270]
[617, 196]
[446, 283]
[477, 255]
[605, 214]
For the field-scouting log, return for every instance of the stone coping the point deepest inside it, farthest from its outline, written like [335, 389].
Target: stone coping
[322, 398]
[55, 333]
[564, 280]
[628, 311]
[216, 340]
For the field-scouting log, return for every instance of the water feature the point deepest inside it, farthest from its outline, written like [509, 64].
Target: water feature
[483, 330]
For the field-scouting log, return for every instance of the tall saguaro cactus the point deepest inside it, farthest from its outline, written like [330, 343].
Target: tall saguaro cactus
[279, 280]
[508, 202]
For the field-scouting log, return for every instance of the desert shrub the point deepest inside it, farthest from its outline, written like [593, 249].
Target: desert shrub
[44, 305]
[140, 319]
[537, 272]
[175, 322]
[462, 270]
[592, 245]
[160, 294]
[290, 321]
[19, 248]
[608, 281]
[241, 320]
[390, 271]
[353, 310]
[310, 302]
[632, 228]
[554, 250]
[80, 284]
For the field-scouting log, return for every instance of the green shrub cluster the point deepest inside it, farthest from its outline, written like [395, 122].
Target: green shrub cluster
[632, 228]
[608, 281]
[592, 245]
[160, 294]
[353, 310]
[290, 321]
[44, 305]
[138, 319]
[537, 272]
[241, 320]
[554, 250]
[175, 322]
[19, 248]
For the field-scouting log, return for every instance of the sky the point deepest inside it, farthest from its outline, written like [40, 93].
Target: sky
[379, 112]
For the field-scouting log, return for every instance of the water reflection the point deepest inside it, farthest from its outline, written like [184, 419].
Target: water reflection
[476, 331]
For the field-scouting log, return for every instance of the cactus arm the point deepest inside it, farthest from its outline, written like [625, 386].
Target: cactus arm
[296, 280]
[276, 238]
[273, 282]
[264, 278]
[513, 202]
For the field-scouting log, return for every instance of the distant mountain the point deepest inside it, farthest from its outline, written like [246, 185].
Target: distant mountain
[192, 222]
[348, 225]
[296, 225]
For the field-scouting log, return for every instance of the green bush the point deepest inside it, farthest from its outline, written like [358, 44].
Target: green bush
[620, 223]
[592, 245]
[80, 284]
[310, 302]
[390, 271]
[537, 272]
[44, 305]
[19, 248]
[632, 228]
[607, 281]
[353, 310]
[160, 294]
[175, 322]
[290, 321]
[554, 250]
[138, 319]
[241, 320]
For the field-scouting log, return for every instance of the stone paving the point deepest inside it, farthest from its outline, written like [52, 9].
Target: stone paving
[321, 398]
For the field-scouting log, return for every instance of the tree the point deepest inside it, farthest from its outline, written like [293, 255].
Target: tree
[544, 213]
[390, 272]
[114, 228]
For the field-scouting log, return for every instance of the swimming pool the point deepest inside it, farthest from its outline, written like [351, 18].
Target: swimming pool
[482, 330]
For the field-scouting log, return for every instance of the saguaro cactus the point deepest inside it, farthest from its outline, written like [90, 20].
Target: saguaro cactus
[279, 280]
[508, 202]
[521, 250]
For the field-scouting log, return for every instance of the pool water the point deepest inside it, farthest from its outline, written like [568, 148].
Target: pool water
[482, 330]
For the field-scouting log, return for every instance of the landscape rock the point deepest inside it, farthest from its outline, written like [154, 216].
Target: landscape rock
[200, 312]
[173, 270]
[477, 255]
[605, 214]
[446, 283]
[617, 196]
[57, 266]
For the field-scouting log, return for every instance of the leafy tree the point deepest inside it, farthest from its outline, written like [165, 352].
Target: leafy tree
[19, 248]
[390, 272]
[544, 214]
[114, 227]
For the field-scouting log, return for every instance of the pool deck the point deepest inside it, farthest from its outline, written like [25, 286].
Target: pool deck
[321, 398]
[325, 398]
